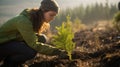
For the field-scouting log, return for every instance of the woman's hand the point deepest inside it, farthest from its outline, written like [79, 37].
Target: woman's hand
[42, 38]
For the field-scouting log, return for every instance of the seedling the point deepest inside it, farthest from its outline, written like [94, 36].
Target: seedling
[64, 36]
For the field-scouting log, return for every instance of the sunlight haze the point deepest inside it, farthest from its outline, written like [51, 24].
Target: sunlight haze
[10, 8]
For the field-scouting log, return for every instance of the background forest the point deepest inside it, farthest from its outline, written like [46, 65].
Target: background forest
[87, 15]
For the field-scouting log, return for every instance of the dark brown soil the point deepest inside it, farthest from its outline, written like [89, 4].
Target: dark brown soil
[99, 48]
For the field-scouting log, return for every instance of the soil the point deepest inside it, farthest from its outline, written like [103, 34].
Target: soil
[94, 48]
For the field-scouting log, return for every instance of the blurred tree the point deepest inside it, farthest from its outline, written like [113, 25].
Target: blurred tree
[87, 14]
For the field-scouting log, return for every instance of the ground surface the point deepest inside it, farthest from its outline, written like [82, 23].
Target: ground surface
[98, 47]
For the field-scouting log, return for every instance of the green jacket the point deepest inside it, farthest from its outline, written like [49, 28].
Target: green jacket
[20, 28]
[117, 17]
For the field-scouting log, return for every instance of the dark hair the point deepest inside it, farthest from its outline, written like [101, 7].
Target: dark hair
[119, 5]
[37, 19]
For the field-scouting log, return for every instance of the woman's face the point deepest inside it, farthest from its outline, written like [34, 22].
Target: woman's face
[50, 15]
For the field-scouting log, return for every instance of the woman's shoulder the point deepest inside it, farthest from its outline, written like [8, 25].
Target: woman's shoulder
[117, 17]
[22, 20]
[19, 19]
[23, 16]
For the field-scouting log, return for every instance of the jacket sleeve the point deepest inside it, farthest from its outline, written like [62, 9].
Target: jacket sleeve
[26, 30]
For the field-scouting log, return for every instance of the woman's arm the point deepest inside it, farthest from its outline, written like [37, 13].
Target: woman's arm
[25, 28]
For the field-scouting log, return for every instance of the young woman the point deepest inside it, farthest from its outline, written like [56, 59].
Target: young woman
[18, 40]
